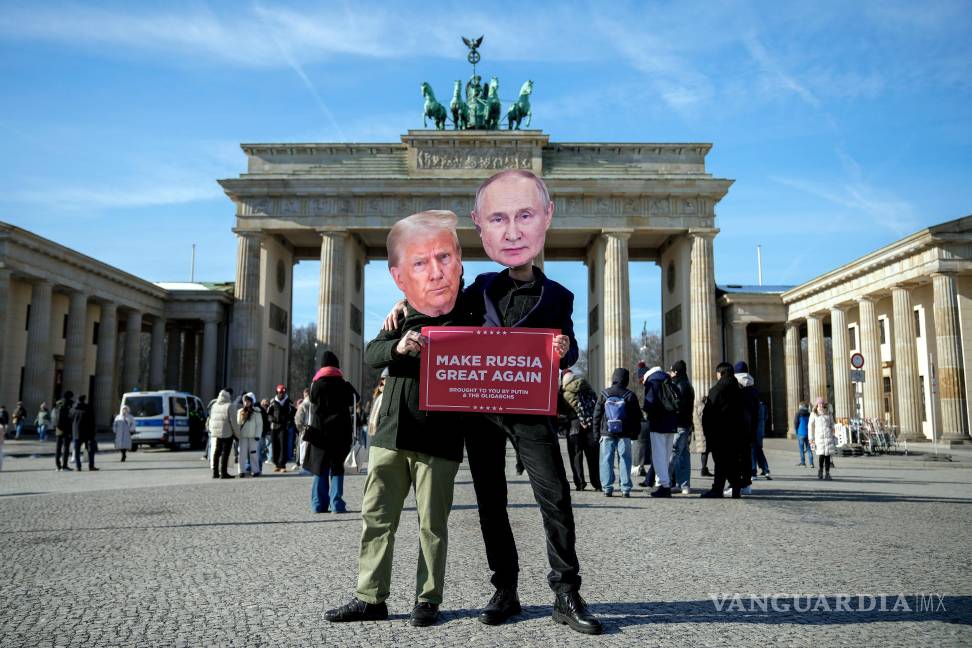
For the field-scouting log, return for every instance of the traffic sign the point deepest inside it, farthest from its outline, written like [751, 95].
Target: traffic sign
[857, 361]
[857, 375]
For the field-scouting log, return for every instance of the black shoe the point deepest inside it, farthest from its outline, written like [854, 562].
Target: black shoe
[93, 468]
[827, 477]
[67, 468]
[626, 494]
[580, 487]
[736, 493]
[767, 476]
[608, 494]
[819, 475]
[662, 491]
[501, 607]
[226, 476]
[570, 609]
[358, 610]
[216, 476]
[712, 493]
[424, 614]
[644, 484]
[705, 472]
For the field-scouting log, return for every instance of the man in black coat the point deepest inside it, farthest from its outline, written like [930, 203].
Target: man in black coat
[723, 424]
[750, 400]
[512, 214]
[83, 426]
[281, 416]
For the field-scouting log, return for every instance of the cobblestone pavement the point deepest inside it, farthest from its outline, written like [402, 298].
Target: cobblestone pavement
[154, 552]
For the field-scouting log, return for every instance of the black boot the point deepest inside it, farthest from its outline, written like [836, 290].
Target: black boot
[424, 614]
[501, 607]
[358, 610]
[570, 609]
[712, 493]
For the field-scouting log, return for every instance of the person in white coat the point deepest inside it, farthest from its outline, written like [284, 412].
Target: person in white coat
[222, 427]
[251, 429]
[823, 441]
[123, 427]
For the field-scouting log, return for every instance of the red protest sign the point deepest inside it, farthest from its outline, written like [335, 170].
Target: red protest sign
[501, 370]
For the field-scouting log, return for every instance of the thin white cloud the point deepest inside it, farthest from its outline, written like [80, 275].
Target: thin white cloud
[775, 71]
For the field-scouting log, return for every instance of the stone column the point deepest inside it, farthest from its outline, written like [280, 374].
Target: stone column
[906, 381]
[104, 396]
[616, 303]
[778, 372]
[156, 362]
[207, 387]
[702, 320]
[332, 318]
[740, 343]
[816, 358]
[871, 350]
[948, 363]
[4, 323]
[793, 374]
[133, 351]
[75, 344]
[840, 351]
[187, 381]
[247, 325]
[39, 371]
[173, 355]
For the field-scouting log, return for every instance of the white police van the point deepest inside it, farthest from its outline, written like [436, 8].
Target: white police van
[170, 418]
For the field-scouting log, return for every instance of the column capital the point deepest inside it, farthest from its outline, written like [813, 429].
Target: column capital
[248, 234]
[866, 298]
[332, 231]
[622, 233]
[706, 233]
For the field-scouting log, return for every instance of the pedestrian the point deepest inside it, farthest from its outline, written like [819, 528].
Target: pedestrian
[726, 434]
[801, 423]
[123, 427]
[303, 419]
[250, 425]
[223, 428]
[64, 430]
[411, 449]
[662, 408]
[582, 445]
[83, 427]
[281, 415]
[823, 441]
[617, 421]
[330, 437]
[681, 457]
[43, 421]
[267, 439]
[4, 420]
[751, 412]
[19, 416]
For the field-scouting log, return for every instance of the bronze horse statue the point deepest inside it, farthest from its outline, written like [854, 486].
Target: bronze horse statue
[520, 108]
[459, 109]
[493, 105]
[433, 109]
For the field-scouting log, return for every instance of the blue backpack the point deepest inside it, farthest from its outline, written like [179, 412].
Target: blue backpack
[614, 412]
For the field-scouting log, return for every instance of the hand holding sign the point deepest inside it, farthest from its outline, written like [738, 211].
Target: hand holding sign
[561, 345]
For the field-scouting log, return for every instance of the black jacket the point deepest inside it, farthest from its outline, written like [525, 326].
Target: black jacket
[686, 400]
[83, 422]
[631, 425]
[281, 415]
[401, 424]
[329, 439]
[554, 310]
[723, 420]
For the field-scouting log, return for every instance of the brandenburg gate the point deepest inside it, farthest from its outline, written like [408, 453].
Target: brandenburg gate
[615, 203]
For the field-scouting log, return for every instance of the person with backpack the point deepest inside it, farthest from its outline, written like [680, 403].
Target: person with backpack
[662, 407]
[617, 421]
[681, 459]
[579, 400]
[62, 429]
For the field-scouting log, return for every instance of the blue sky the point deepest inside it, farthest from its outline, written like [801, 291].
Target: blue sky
[844, 125]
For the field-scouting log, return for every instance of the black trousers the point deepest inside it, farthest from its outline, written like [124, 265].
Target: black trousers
[580, 449]
[278, 446]
[62, 450]
[539, 450]
[823, 464]
[732, 465]
[221, 456]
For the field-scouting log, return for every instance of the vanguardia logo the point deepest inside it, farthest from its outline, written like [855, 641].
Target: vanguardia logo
[809, 603]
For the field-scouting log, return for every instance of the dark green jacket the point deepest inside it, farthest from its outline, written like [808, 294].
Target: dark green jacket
[401, 424]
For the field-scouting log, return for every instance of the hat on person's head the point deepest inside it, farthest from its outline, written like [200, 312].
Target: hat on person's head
[740, 367]
[69, 394]
[820, 401]
[281, 388]
[328, 359]
[679, 366]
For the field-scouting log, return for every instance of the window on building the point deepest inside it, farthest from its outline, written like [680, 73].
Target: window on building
[852, 335]
[64, 327]
[27, 321]
[917, 323]
[881, 324]
[94, 332]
